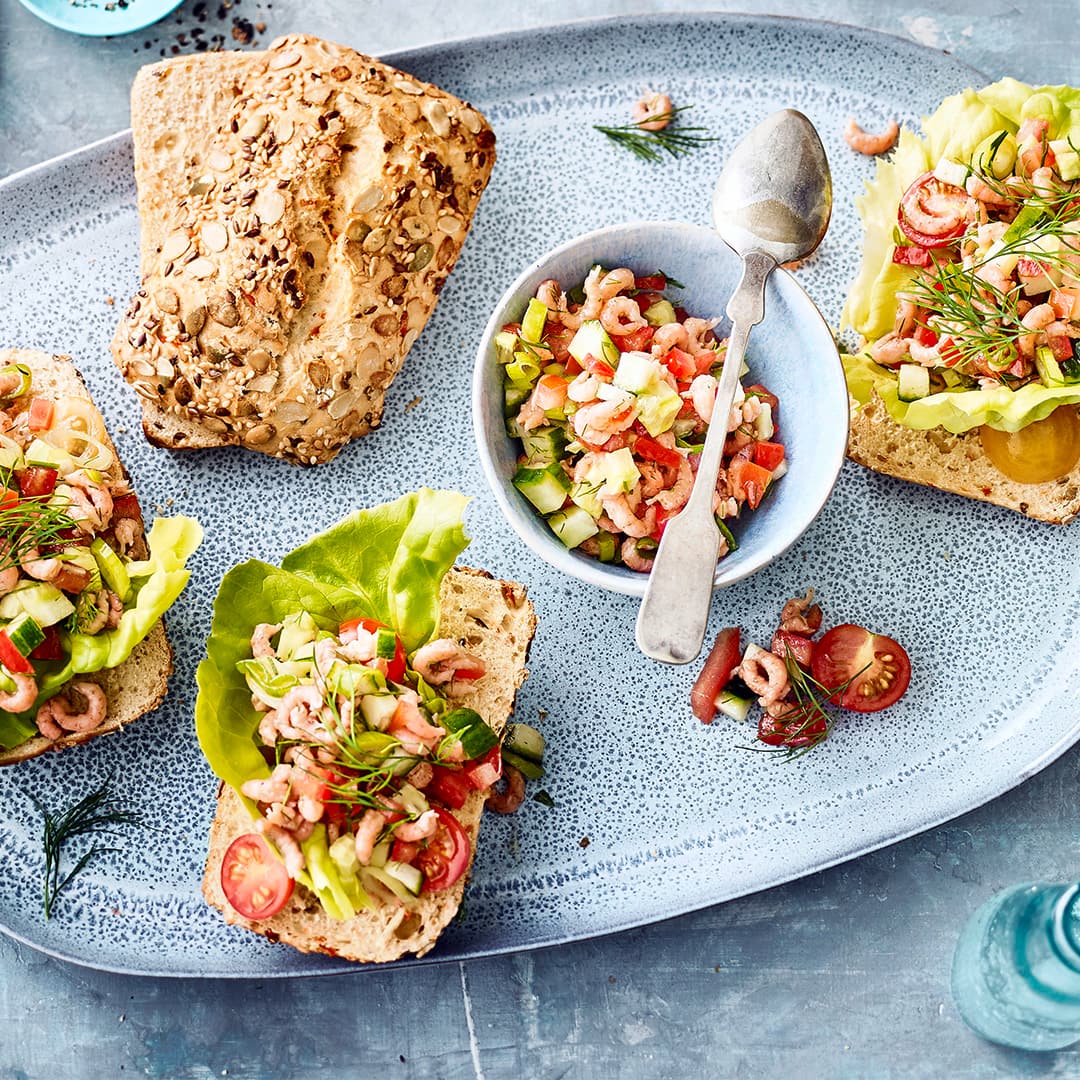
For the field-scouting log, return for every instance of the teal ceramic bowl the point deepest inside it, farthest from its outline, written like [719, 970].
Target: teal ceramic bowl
[792, 352]
[101, 18]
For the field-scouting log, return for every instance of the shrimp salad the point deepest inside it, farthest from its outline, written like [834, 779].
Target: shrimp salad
[610, 390]
[969, 294]
[71, 548]
[367, 745]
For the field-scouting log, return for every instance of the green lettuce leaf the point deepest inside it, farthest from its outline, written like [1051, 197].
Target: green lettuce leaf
[955, 131]
[385, 563]
[156, 583]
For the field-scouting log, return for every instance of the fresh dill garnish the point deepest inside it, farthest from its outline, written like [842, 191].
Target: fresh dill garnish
[675, 140]
[670, 281]
[95, 814]
[33, 521]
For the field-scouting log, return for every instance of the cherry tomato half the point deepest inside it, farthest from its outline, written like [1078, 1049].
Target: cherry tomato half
[722, 661]
[395, 669]
[253, 879]
[446, 856]
[876, 668]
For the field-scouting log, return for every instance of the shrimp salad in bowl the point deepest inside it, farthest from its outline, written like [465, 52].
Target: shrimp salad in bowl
[609, 389]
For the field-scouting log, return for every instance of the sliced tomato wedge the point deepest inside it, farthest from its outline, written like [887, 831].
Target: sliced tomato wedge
[395, 669]
[449, 786]
[11, 658]
[651, 283]
[446, 856]
[37, 480]
[636, 341]
[748, 481]
[932, 213]
[648, 448]
[876, 669]
[50, 648]
[723, 659]
[911, 255]
[598, 367]
[785, 642]
[254, 880]
[768, 454]
[681, 364]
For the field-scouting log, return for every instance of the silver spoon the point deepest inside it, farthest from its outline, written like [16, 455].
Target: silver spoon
[771, 205]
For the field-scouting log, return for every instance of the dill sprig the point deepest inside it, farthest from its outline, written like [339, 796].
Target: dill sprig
[32, 522]
[95, 814]
[675, 140]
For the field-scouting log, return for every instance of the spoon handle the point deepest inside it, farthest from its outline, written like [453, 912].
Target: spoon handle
[675, 609]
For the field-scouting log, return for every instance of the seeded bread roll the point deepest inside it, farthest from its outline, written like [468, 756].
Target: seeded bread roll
[954, 463]
[138, 685]
[493, 619]
[301, 209]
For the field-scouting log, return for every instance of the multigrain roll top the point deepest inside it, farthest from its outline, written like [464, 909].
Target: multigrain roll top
[301, 209]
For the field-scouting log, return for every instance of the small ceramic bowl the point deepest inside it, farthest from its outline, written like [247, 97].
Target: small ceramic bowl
[792, 352]
[101, 18]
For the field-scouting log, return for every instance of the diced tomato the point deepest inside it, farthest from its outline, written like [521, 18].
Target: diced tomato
[50, 648]
[11, 658]
[723, 659]
[637, 341]
[910, 255]
[646, 299]
[404, 851]
[8, 498]
[799, 727]
[1060, 346]
[1026, 267]
[395, 669]
[37, 480]
[949, 352]
[126, 506]
[748, 481]
[704, 361]
[254, 880]
[925, 336]
[449, 786]
[71, 578]
[484, 771]
[768, 454]
[759, 391]
[600, 368]
[40, 417]
[798, 645]
[446, 855]
[649, 449]
[652, 282]
[681, 364]
[557, 338]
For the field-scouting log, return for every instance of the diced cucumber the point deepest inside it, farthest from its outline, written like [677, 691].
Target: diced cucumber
[529, 769]
[379, 853]
[24, 633]
[11, 455]
[661, 313]
[1030, 216]
[525, 741]
[112, 568]
[514, 396]
[505, 344]
[377, 710]
[1047, 367]
[951, 172]
[913, 382]
[532, 322]
[389, 881]
[1068, 160]
[386, 643]
[343, 854]
[408, 875]
[40, 452]
[296, 630]
[733, 705]
[477, 740]
[573, 525]
[593, 340]
[460, 719]
[354, 680]
[413, 800]
[43, 602]
[545, 488]
[543, 445]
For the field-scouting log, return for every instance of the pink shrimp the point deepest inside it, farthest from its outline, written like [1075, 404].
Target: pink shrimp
[269, 789]
[619, 516]
[596, 423]
[982, 192]
[59, 712]
[675, 497]
[260, 639]
[583, 388]
[652, 112]
[438, 662]
[800, 615]
[36, 567]
[764, 673]
[420, 829]
[286, 843]
[91, 503]
[408, 717]
[367, 833]
[703, 396]
[696, 329]
[621, 316]
[890, 349]
[865, 142]
[632, 558]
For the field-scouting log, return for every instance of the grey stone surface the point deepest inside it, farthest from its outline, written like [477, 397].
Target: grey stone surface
[842, 974]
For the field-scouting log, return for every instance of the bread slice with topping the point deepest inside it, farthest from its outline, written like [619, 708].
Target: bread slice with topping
[954, 463]
[300, 211]
[138, 685]
[493, 619]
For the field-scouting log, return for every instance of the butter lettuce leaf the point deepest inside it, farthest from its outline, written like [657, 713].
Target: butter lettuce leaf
[954, 131]
[386, 563]
[156, 583]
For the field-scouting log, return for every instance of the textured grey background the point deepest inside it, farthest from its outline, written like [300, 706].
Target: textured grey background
[844, 974]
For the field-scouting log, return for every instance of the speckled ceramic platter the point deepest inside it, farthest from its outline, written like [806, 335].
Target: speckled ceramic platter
[654, 813]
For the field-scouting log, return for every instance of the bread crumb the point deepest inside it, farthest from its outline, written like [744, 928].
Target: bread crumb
[584, 842]
[412, 404]
[110, 300]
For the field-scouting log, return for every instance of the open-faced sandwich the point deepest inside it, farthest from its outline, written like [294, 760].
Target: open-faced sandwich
[300, 210]
[352, 701]
[968, 301]
[82, 587]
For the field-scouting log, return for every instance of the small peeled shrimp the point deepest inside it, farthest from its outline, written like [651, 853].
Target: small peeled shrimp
[583, 388]
[59, 713]
[703, 396]
[865, 142]
[800, 615]
[620, 316]
[671, 335]
[890, 349]
[367, 832]
[676, 496]
[764, 673]
[696, 329]
[37, 567]
[653, 111]
[260, 639]
[22, 697]
[619, 514]
[420, 829]
[507, 801]
[632, 558]
[286, 843]
[550, 294]
[439, 661]
[597, 423]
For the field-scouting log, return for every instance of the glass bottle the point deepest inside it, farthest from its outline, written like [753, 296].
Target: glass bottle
[1016, 972]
